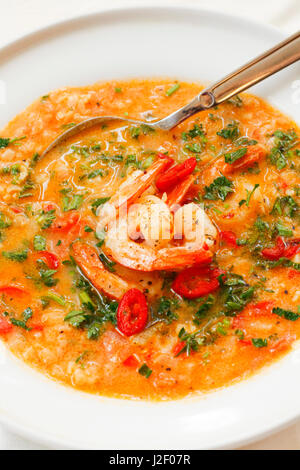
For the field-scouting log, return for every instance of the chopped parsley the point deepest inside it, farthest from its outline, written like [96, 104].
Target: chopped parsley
[282, 230]
[46, 277]
[16, 255]
[26, 315]
[236, 294]
[231, 131]
[95, 173]
[134, 132]
[55, 297]
[5, 221]
[70, 203]
[26, 191]
[172, 90]
[5, 142]
[39, 243]
[287, 314]
[204, 308]
[259, 342]
[95, 312]
[98, 202]
[190, 340]
[45, 218]
[283, 143]
[145, 371]
[166, 309]
[249, 195]
[219, 189]
[234, 156]
[198, 133]
[286, 206]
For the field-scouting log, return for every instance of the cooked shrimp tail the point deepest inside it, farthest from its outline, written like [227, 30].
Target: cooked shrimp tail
[105, 282]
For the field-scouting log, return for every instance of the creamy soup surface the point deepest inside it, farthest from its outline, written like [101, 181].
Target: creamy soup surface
[149, 264]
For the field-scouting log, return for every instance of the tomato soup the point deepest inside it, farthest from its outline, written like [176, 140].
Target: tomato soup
[149, 264]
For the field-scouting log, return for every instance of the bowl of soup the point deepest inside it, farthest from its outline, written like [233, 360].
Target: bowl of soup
[160, 267]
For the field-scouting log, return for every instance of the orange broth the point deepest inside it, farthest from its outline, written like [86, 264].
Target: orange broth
[238, 335]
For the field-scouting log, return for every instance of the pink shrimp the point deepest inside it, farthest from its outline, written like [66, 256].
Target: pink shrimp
[254, 154]
[145, 256]
[110, 284]
[134, 186]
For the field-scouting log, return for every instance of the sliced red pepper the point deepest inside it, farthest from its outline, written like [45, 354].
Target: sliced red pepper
[5, 326]
[264, 306]
[178, 347]
[246, 342]
[292, 273]
[16, 209]
[197, 282]
[282, 249]
[37, 326]
[13, 290]
[50, 259]
[292, 248]
[176, 174]
[66, 222]
[132, 313]
[131, 361]
[229, 237]
[273, 254]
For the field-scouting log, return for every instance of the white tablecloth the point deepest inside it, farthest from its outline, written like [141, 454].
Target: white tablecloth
[22, 16]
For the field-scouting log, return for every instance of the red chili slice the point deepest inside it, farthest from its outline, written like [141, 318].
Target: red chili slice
[197, 282]
[229, 237]
[178, 347]
[273, 254]
[37, 326]
[50, 259]
[131, 361]
[176, 174]
[66, 222]
[16, 209]
[292, 273]
[293, 247]
[5, 326]
[13, 290]
[132, 312]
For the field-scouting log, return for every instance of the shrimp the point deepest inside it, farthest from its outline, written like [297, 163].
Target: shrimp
[150, 221]
[110, 284]
[191, 223]
[134, 186]
[254, 154]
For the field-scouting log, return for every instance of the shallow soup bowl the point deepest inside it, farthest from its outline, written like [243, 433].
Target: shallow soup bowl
[184, 43]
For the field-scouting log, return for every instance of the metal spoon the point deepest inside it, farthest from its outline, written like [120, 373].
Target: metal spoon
[272, 61]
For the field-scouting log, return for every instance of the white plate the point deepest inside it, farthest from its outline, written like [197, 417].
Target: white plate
[143, 42]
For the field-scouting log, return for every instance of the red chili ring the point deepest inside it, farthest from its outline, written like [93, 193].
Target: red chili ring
[176, 174]
[132, 313]
[197, 282]
[51, 259]
[273, 254]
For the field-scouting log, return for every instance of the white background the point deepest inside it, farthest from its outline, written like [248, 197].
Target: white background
[22, 16]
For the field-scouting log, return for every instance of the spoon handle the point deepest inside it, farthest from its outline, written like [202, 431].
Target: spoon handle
[273, 60]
